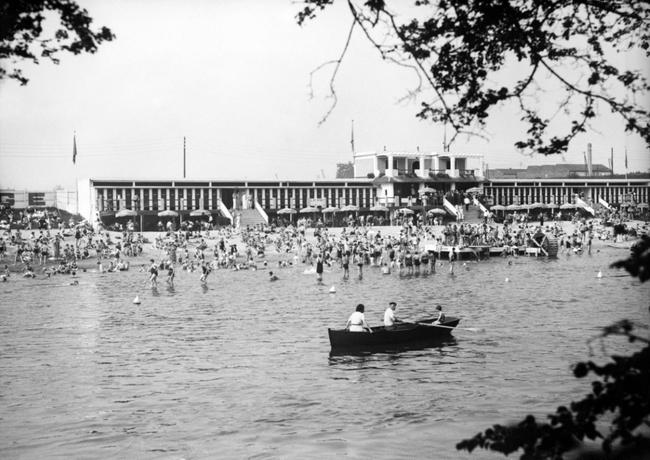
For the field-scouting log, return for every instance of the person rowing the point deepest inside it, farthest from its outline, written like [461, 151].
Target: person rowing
[357, 321]
[441, 316]
[389, 316]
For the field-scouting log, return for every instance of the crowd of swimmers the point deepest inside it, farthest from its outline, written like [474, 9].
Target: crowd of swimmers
[352, 249]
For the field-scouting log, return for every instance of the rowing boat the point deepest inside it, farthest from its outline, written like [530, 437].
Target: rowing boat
[423, 331]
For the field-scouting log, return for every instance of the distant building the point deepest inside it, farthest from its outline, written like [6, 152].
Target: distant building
[556, 171]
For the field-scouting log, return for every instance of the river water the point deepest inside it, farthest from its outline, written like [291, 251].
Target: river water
[242, 369]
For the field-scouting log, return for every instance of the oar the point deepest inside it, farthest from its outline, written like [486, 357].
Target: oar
[471, 329]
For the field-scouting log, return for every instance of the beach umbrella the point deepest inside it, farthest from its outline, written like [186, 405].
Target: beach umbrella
[437, 211]
[426, 190]
[331, 209]
[379, 207]
[536, 206]
[513, 207]
[552, 206]
[568, 206]
[126, 213]
[308, 209]
[473, 190]
[200, 212]
[287, 211]
[350, 208]
[497, 207]
[642, 205]
[405, 211]
[168, 213]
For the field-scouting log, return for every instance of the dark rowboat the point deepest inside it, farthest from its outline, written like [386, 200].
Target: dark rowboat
[421, 332]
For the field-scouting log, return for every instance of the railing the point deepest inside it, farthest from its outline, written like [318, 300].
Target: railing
[450, 207]
[406, 172]
[225, 212]
[480, 205]
[386, 201]
[263, 213]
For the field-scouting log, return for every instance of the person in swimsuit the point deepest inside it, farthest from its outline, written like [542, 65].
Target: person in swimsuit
[171, 274]
[153, 270]
[357, 321]
[345, 262]
[319, 268]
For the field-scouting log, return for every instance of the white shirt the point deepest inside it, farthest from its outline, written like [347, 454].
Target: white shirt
[356, 320]
[389, 317]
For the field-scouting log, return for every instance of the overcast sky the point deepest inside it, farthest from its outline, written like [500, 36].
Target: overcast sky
[232, 77]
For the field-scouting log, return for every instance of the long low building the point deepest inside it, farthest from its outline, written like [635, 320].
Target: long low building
[560, 191]
[388, 179]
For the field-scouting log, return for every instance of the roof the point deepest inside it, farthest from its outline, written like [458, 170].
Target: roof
[559, 170]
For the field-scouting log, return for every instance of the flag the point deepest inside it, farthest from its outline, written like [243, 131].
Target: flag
[352, 136]
[74, 148]
[586, 164]
[626, 159]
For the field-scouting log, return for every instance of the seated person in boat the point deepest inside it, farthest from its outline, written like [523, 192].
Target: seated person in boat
[357, 321]
[389, 316]
[440, 315]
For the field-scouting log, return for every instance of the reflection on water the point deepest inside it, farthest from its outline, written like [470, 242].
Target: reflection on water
[392, 351]
[242, 367]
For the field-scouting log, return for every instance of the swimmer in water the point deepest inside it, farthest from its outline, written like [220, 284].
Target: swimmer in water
[171, 274]
[272, 277]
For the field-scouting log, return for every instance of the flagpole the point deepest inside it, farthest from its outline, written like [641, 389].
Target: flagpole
[74, 162]
[352, 138]
[183, 157]
[625, 163]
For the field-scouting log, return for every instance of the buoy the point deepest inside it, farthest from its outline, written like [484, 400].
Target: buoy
[600, 274]
[136, 300]
[507, 279]
[332, 290]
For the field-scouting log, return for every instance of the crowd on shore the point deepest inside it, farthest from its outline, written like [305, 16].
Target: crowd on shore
[401, 249]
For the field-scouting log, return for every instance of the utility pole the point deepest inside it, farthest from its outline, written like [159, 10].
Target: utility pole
[183, 157]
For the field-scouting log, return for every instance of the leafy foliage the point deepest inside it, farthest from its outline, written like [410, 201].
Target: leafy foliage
[460, 48]
[22, 22]
[622, 391]
[638, 264]
[344, 170]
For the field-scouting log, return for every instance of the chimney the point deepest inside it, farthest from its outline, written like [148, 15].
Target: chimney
[589, 167]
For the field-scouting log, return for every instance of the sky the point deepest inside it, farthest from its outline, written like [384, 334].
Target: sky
[232, 78]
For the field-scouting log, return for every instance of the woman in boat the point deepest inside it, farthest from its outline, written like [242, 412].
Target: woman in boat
[357, 321]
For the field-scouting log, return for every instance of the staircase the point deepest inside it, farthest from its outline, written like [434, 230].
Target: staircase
[250, 217]
[473, 215]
